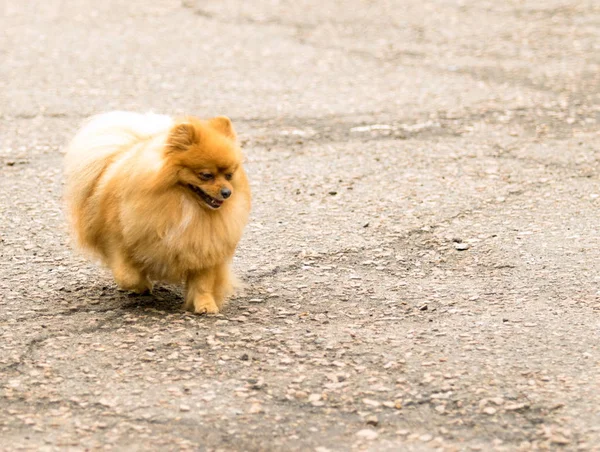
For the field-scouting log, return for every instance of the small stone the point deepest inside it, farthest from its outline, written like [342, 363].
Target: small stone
[256, 384]
[559, 439]
[426, 437]
[461, 246]
[373, 403]
[489, 410]
[314, 397]
[367, 434]
[300, 395]
[184, 408]
[372, 420]
[516, 406]
[105, 403]
[440, 409]
[315, 400]
[256, 408]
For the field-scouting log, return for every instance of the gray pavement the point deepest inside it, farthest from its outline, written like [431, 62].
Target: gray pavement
[422, 259]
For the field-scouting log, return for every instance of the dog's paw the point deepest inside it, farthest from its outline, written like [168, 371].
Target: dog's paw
[203, 304]
[141, 288]
[206, 310]
[131, 280]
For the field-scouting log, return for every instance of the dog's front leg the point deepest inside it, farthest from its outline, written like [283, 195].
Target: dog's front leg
[199, 297]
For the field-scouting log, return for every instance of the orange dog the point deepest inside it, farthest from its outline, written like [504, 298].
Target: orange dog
[157, 198]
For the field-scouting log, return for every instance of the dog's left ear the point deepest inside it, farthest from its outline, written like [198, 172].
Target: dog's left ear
[223, 124]
[182, 136]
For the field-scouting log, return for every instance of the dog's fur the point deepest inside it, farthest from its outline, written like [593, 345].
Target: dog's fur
[133, 198]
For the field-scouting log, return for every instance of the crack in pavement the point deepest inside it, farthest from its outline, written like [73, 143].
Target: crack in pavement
[33, 344]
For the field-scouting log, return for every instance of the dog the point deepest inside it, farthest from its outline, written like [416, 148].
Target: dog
[157, 198]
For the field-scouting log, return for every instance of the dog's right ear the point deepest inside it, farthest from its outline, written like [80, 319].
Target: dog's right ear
[182, 136]
[223, 125]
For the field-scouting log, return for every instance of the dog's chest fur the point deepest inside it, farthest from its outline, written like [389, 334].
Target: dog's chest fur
[191, 240]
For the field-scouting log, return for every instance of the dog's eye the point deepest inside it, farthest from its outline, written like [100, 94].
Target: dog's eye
[206, 176]
[228, 176]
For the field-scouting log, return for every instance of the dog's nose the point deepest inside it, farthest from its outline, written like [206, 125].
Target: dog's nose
[225, 193]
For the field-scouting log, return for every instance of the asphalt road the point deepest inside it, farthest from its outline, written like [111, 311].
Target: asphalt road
[422, 262]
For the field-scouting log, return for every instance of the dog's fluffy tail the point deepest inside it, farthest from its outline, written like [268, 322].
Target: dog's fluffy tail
[99, 141]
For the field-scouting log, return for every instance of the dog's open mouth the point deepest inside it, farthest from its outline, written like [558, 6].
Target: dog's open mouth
[211, 202]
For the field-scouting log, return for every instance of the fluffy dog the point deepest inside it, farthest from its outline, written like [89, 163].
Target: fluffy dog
[160, 199]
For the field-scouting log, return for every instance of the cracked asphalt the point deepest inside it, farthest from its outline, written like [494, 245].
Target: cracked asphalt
[422, 262]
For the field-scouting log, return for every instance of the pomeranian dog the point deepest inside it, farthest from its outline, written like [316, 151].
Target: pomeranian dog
[160, 199]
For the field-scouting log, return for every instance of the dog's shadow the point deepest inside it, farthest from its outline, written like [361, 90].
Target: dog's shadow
[162, 298]
[169, 299]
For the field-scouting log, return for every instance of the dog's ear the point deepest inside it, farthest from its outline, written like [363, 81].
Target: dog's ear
[182, 136]
[223, 124]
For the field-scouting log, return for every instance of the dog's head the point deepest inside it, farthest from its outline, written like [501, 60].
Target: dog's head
[205, 159]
